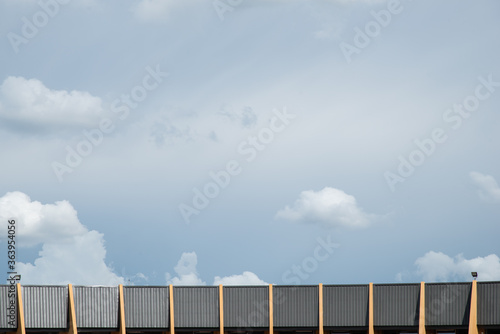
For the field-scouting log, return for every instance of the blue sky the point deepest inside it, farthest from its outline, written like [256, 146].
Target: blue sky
[250, 142]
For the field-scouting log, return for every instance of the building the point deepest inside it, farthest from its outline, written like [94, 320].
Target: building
[432, 308]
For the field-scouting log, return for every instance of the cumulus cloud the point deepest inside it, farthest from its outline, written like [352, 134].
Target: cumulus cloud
[437, 266]
[27, 104]
[187, 274]
[247, 278]
[70, 252]
[330, 207]
[488, 187]
[186, 271]
[80, 261]
[39, 223]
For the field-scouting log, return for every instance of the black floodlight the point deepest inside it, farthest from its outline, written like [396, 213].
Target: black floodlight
[474, 274]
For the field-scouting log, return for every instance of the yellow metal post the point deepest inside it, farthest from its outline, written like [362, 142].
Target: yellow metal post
[20, 311]
[171, 304]
[371, 328]
[122, 329]
[421, 317]
[72, 314]
[473, 309]
[221, 309]
[271, 310]
[320, 288]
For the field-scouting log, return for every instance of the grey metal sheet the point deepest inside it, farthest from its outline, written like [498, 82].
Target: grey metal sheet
[345, 305]
[8, 307]
[447, 304]
[45, 306]
[396, 305]
[196, 307]
[146, 307]
[296, 306]
[488, 303]
[246, 307]
[96, 307]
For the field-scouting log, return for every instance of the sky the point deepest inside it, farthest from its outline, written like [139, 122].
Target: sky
[247, 142]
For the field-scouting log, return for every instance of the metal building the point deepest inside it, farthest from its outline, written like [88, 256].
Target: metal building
[433, 308]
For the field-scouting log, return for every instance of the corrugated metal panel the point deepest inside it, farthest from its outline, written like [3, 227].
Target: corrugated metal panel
[396, 304]
[146, 307]
[488, 303]
[295, 306]
[196, 307]
[447, 304]
[246, 307]
[8, 317]
[45, 306]
[96, 307]
[345, 305]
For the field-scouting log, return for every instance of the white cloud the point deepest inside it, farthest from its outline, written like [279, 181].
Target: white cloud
[70, 252]
[488, 187]
[39, 223]
[437, 266]
[187, 274]
[186, 271]
[247, 278]
[330, 206]
[153, 10]
[80, 261]
[28, 103]
[136, 279]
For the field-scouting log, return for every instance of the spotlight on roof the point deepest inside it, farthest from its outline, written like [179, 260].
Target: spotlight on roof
[474, 274]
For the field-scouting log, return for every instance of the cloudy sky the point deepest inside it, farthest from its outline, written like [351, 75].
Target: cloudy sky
[250, 141]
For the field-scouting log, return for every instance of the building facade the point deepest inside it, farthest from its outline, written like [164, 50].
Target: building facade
[432, 308]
